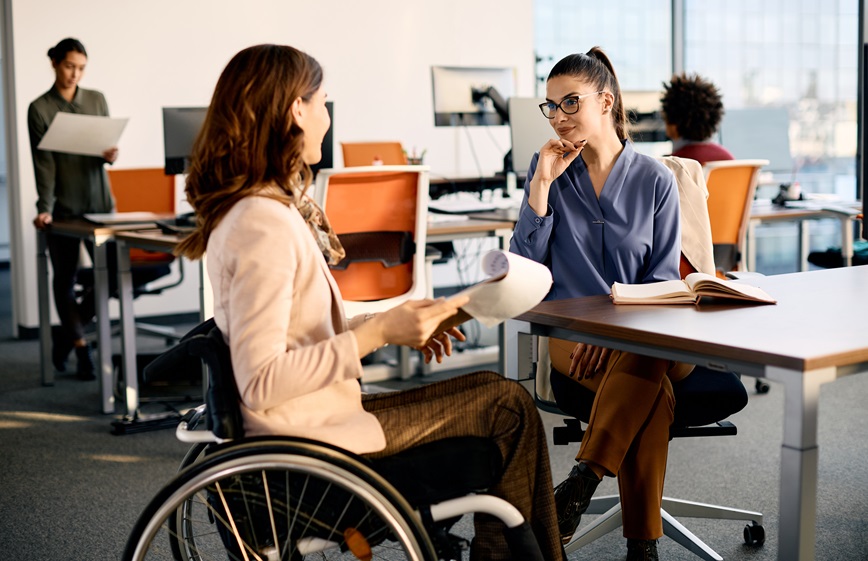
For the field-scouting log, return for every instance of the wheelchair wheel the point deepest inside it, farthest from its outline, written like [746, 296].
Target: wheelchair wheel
[275, 499]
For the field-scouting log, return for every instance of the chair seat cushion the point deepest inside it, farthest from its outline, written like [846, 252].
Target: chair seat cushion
[443, 469]
[705, 396]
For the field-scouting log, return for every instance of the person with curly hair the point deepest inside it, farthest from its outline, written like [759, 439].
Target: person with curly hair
[692, 108]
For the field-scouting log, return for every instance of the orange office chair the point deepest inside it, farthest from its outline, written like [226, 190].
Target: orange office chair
[731, 187]
[147, 190]
[366, 153]
[380, 214]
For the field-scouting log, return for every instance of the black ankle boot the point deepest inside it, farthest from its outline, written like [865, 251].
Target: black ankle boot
[642, 550]
[85, 363]
[572, 498]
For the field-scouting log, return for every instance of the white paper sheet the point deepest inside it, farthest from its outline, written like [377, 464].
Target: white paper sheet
[516, 285]
[89, 135]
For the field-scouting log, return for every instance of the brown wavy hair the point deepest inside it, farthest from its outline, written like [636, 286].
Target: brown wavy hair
[595, 68]
[249, 138]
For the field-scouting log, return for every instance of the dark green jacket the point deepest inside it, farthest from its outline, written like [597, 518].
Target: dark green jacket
[68, 184]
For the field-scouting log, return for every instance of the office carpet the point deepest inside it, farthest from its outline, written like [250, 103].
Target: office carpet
[70, 490]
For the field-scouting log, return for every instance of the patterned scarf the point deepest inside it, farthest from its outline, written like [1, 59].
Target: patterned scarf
[325, 237]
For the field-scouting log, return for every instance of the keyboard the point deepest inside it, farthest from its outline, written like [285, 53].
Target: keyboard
[460, 203]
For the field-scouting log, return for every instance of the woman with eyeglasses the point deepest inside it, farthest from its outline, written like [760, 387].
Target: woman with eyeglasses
[598, 212]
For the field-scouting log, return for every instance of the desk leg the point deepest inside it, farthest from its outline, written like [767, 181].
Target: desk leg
[206, 294]
[804, 244]
[128, 330]
[847, 240]
[103, 324]
[799, 453]
[45, 365]
[502, 335]
[751, 245]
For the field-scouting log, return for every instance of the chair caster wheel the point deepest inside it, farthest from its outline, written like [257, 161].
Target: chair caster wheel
[754, 534]
[761, 386]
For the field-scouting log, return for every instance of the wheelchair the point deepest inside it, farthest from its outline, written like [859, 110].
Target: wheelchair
[284, 498]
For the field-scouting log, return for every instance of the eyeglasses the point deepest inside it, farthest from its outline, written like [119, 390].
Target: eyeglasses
[569, 105]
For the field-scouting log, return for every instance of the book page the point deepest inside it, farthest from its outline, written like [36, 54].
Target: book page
[515, 285]
[711, 286]
[663, 292]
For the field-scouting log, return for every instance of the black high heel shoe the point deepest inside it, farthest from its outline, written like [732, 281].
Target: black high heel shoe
[572, 498]
[642, 550]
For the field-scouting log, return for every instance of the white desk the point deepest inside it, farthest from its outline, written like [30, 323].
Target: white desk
[845, 213]
[814, 335]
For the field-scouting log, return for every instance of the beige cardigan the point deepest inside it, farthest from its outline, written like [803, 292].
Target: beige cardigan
[695, 226]
[295, 360]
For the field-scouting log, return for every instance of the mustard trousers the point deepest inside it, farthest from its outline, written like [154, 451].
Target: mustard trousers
[628, 430]
[481, 404]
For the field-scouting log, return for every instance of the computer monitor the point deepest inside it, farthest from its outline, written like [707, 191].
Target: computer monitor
[759, 133]
[471, 96]
[643, 112]
[529, 131]
[181, 125]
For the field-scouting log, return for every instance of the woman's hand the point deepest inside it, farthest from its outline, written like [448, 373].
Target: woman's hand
[42, 220]
[440, 345]
[419, 324]
[555, 157]
[111, 155]
[588, 361]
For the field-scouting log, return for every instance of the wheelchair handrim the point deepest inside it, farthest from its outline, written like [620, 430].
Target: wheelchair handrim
[379, 502]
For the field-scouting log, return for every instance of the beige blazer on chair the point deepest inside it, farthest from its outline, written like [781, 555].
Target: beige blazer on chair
[696, 243]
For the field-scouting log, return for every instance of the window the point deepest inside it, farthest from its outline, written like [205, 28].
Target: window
[800, 57]
[635, 34]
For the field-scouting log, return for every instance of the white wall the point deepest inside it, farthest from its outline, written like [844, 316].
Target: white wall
[145, 55]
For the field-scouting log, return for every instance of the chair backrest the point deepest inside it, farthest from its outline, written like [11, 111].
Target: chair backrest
[381, 199]
[731, 187]
[145, 190]
[358, 154]
[142, 189]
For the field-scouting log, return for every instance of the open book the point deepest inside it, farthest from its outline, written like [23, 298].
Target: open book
[515, 285]
[688, 291]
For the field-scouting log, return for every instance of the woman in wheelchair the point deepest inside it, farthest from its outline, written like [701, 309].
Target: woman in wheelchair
[599, 212]
[296, 358]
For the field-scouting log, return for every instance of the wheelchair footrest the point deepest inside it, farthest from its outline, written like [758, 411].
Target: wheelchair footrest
[129, 425]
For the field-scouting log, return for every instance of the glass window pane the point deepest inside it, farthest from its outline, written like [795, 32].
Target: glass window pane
[636, 34]
[800, 57]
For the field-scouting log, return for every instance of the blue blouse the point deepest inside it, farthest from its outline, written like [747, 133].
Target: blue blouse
[631, 234]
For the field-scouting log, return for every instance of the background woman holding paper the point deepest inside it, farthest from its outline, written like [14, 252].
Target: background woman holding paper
[295, 356]
[69, 185]
[596, 211]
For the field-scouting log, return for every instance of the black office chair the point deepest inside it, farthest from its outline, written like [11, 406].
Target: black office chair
[703, 401]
